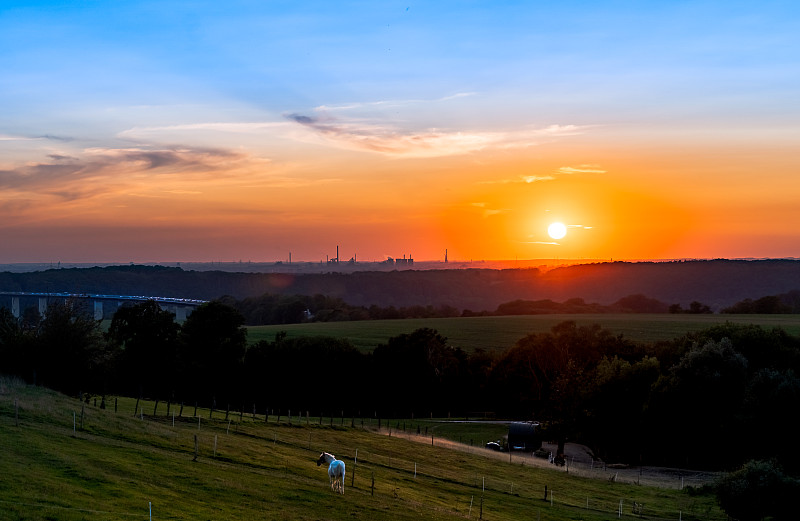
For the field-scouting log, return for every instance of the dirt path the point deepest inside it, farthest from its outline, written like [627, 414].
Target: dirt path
[580, 463]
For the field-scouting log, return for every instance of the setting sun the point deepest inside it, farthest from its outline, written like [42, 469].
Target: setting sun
[557, 230]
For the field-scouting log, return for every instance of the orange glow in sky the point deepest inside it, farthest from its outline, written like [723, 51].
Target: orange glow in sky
[649, 131]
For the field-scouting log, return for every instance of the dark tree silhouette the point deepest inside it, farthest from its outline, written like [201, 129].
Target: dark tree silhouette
[146, 337]
[213, 342]
[69, 348]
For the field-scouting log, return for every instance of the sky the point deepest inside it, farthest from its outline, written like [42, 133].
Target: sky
[148, 131]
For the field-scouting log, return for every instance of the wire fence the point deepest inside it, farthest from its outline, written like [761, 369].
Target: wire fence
[365, 465]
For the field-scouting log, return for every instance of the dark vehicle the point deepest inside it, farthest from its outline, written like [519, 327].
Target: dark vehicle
[524, 436]
[494, 446]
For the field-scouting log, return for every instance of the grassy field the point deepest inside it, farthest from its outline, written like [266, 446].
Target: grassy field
[67, 460]
[490, 333]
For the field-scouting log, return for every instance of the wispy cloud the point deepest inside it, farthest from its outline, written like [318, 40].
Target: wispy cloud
[535, 178]
[210, 126]
[99, 169]
[581, 169]
[7, 137]
[488, 212]
[390, 103]
[564, 170]
[393, 141]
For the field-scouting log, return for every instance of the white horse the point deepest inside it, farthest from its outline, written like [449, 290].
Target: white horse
[335, 471]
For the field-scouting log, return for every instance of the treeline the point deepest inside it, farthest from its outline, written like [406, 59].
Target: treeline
[711, 399]
[292, 309]
[784, 303]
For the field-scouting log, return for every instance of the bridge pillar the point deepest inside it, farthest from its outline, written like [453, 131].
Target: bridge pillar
[42, 305]
[98, 310]
[180, 313]
[15, 306]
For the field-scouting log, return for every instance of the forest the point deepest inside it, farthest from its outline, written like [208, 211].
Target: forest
[713, 400]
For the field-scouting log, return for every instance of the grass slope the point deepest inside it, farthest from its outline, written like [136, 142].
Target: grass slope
[114, 465]
[490, 333]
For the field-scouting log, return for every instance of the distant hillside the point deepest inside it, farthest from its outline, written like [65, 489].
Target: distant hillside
[717, 283]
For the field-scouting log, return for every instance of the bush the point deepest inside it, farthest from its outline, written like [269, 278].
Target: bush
[759, 489]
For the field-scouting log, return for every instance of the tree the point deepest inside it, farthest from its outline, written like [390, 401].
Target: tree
[419, 371]
[696, 406]
[146, 337]
[305, 373]
[772, 395]
[70, 349]
[13, 355]
[758, 490]
[619, 393]
[213, 342]
[698, 308]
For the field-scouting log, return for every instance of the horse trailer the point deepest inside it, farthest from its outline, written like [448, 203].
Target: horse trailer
[524, 436]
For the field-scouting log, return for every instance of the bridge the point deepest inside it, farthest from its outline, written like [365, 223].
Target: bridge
[101, 304]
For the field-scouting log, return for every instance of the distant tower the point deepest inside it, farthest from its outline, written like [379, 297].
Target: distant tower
[445, 255]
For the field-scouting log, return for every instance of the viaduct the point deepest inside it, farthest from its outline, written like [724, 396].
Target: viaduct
[101, 303]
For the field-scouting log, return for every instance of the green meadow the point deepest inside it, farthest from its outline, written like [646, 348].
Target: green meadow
[491, 333]
[70, 460]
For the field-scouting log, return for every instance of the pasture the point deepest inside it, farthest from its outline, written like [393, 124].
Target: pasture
[490, 333]
[69, 460]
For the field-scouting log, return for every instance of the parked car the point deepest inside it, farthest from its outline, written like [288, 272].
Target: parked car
[494, 446]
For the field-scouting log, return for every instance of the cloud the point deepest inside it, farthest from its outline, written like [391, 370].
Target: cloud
[488, 212]
[581, 169]
[391, 103]
[535, 178]
[6, 137]
[151, 132]
[392, 141]
[564, 170]
[100, 169]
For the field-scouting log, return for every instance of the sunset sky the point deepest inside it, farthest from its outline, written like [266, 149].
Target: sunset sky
[142, 131]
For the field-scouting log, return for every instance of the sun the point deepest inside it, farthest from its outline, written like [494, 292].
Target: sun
[557, 230]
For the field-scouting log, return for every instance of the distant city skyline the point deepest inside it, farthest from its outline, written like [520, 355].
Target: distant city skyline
[163, 131]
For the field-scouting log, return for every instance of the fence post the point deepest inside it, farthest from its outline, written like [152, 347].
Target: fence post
[16, 412]
[373, 484]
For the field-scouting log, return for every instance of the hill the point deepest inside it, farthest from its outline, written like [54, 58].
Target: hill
[717, 283]
[69, 460]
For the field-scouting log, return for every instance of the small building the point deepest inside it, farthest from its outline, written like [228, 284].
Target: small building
[524, 436]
